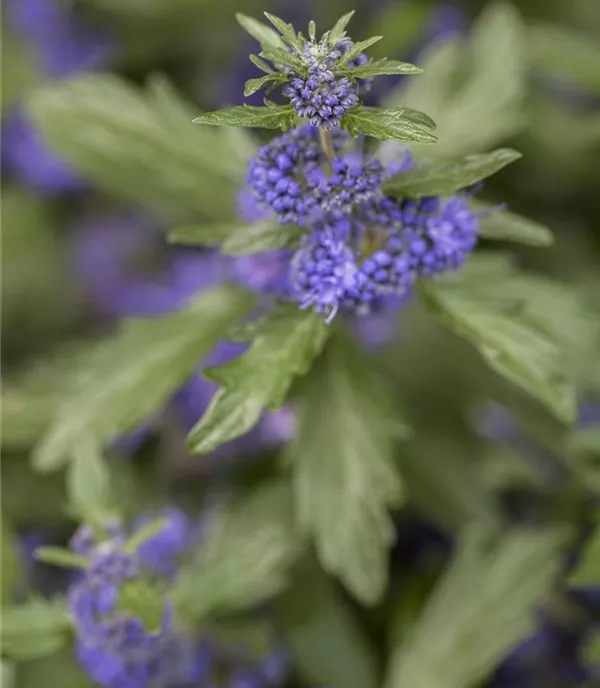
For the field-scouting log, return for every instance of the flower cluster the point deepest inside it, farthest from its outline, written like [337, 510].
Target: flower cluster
[361, 246]
[120, 650]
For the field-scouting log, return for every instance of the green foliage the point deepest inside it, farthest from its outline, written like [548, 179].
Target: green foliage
[140, 599]
[287, 31]
[59, 556]
[343, 469]
[505, 334]
[506, 226]
[128, 377]
[34, 629]
[386, 125]
[284, 346]
[339, 29]
[380, 68]
[141, 145]
[446, 485]
[264, 34]
[254, 85]
[246, 557]
[267, 117]
[58, 670]
[325, 641]
[587, 569]
[88, 482]
[9, 561]
[434, 178]
[484, 603]
[474, 87]
[567, 53]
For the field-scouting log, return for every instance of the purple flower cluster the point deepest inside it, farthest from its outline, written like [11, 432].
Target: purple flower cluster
[115, 648]
[361, 246]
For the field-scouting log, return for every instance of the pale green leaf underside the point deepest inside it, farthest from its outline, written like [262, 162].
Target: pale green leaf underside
[503, 225]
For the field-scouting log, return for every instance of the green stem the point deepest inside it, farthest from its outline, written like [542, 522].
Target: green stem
[327, 146]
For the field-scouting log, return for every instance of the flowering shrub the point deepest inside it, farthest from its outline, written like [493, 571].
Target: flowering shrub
[267, 453]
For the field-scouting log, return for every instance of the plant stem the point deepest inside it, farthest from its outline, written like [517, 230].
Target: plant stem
[327, 146]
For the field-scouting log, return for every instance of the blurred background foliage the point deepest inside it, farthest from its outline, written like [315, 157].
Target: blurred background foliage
[100, 159]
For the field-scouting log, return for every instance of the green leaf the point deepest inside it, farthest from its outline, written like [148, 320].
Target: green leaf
[254, 85]
[282, 58]
[10, 561]
[59, 670]
[487, 598]
[343, 472]
[381, 67]
[339, 29]
[413, 115]
[88, 482]
[205, 235]
[588, 565]
[34, 629]
[141, 146]
[475, 87]
[445, 485]
[128, 377]
[146, 532]
[246, 557]
[359, 48]
[264, 34]
[261, 64]
[287, 31]
[284, 347]
[266, 235]
[512, 343]
[59, 556]
[381, 125]
[7, 674]
[436, 178]
[505, 226]
[572, 54]
[270, 117]
[325, 641]
[140, 599]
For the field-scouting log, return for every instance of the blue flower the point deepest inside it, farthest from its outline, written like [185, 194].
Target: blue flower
[161, 551]
[320, 99]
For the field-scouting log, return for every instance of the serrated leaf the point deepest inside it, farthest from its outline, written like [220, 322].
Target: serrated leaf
[88, 482]
[324, 640]
[264, 34]
[271, 117]
[435, 178]
[506, 226]
[587, 569]
[515, 347]
[380, 68]
[59, 556]
[359, 48]
[284, 347]
[34, 629]
[139, 146]
[267, 235]
[339, 29]
[403, 113]
[128, 377]
[488, 598]
[343, 471]
[287, 31]
[376, 123]
[254, 85]
[246, 557]
[573, 54]
[283, 58]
